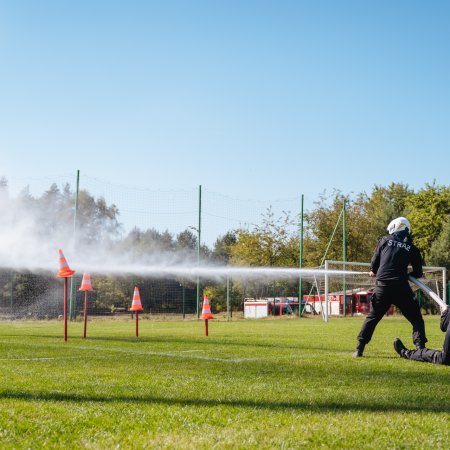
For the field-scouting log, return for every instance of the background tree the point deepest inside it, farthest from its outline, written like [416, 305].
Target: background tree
[320, 224]
[148, 242]
[223, 247]
[52, 212]
[385, 204]
[273, 243]
[366, 220]
[265, 245]
[221, 254]
[429, 210]
[111, 294]
[96, 220]
[439, 253]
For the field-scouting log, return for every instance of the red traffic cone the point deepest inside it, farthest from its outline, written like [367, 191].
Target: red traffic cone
[206, 309]
[136, 304]
[64, 269]
[86, 284]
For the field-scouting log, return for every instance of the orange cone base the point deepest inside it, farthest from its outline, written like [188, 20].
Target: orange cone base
[206, 316]
[65, 273]
[136, 308]
[86, 289]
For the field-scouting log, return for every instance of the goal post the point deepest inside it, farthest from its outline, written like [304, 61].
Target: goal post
[357, 285]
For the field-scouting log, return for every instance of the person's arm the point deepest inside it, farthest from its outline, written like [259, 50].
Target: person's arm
[375, 263]
[416, 263]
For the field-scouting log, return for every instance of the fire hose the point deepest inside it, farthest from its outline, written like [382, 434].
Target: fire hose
[429, 292]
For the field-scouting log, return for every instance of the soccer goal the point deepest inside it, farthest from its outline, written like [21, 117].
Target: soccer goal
[351, 294]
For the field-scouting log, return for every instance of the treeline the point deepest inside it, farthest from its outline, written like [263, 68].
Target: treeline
[267, 244]
[366, 217]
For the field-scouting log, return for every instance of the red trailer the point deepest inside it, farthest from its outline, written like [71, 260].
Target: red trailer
[355, 303]
[362, 301]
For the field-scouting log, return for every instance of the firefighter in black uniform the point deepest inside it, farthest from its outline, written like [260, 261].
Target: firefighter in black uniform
[428, 354]
[389, 265]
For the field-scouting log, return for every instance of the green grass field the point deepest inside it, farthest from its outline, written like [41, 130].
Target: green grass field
[275, 383]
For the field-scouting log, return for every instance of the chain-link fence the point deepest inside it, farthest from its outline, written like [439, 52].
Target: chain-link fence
[38, 294]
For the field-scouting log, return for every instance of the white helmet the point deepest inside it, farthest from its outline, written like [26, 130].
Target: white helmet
[399, 224]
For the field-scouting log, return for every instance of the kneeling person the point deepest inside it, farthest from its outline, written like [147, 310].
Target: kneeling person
[428, 354]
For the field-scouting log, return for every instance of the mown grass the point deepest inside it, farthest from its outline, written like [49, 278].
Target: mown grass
[276, 383]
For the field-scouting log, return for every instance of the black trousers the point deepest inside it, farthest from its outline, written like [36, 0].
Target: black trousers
[400, 295]
[433, 356]
[429, 355]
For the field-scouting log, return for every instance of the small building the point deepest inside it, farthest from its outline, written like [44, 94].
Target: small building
[255, 308]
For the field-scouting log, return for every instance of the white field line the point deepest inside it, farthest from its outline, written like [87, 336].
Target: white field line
[135, 352]
[182, 354]
[189, 351]
[50, 359]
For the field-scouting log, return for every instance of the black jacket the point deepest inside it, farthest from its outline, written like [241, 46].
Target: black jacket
[394, 253]
[445, 320]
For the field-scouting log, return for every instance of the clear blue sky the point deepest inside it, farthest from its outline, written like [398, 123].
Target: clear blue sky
[253, 99]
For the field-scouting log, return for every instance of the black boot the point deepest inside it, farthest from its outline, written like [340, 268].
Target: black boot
[400, 348]
[359, 350]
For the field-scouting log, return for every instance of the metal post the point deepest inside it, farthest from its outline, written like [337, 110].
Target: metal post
[344, 256]
[137, 323]
[184, 300]
[85, 312]
[198, 245]
[11, 292]
[231, 299]
[274, 297]
[72, 284]
[300, 281]
[228, 297]
[65, 309]
[326, 292]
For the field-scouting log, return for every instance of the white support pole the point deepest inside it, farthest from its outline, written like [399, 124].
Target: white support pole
[429, 292]
[444, 287]
[320, 298]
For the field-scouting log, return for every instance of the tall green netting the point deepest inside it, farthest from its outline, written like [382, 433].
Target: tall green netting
[164, 214]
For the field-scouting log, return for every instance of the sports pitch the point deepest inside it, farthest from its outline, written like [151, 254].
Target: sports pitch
[271, 383]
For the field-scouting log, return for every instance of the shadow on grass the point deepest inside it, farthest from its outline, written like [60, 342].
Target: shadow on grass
[330, 406]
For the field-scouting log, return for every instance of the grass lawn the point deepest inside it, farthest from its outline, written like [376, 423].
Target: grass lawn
[271, 383]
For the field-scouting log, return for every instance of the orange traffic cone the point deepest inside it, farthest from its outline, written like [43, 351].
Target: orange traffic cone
[206, 309]
[64, 269]
[206, 313]
[86, 283]
[136, 304]
[64, 272]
